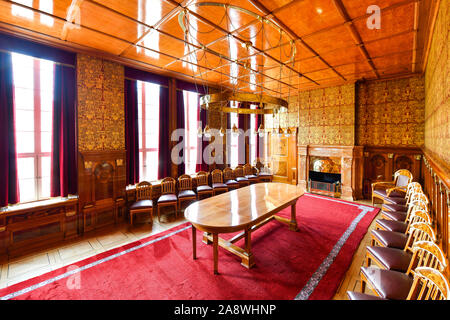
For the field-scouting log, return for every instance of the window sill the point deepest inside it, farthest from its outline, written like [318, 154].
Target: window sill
[36, 204]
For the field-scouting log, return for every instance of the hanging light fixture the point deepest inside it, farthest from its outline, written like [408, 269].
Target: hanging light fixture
[222, 131]
[261, 130]
[280, 132]
[199, 132]
[207, 132]
[235, 130]
[288, 133]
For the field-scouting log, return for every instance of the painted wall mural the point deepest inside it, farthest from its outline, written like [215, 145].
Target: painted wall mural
[391, 113]
[101, 115]
[437, 88]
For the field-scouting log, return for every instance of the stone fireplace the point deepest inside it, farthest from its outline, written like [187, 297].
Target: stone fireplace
[330, 164]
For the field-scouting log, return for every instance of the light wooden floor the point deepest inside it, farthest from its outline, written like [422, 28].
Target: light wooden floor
[15, 270]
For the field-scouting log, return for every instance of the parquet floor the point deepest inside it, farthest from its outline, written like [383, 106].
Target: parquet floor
[18, 269]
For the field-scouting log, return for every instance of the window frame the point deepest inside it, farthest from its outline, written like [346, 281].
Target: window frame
[38, 154]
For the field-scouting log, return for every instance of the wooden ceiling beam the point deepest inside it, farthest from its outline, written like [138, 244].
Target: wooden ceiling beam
[416, 26]
[277, 21]
[355, 34]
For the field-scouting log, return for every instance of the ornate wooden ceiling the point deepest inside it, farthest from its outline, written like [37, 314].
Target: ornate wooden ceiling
[230, 47]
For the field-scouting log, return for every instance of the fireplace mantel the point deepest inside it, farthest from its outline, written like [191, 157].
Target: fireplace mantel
[351, 166]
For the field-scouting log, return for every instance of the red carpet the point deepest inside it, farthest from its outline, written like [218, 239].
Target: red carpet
[308, 264]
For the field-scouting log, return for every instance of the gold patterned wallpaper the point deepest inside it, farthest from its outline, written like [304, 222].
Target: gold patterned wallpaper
[437, 105]
[323, 116]
[391, 113]
[101, 115]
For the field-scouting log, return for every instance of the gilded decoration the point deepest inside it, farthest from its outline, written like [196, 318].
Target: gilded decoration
[323, 116]
[325, 164]
[101, 117]
[437, 105]
[391, 113]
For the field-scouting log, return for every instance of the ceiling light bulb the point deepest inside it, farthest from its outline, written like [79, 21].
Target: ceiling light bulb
[199, 132]
[319, 10]
[207, 132]
[235, 130]
[261, 130]
[221, 132]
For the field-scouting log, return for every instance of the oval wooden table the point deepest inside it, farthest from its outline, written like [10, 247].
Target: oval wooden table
[245, 209]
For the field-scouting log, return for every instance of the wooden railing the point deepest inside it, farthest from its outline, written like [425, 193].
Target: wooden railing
[437, 188]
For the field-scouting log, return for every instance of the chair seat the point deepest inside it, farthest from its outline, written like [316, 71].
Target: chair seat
[394, 207]
[264, 174]
[391, 258]
[397, 193]
[395, 200]
[362, 296]
[203, 189]
[239, 179]
[251, 177]
[394, 215]
[186, 194]
[219, 186]
[380, 192]
[231, 182]
[387, 283]
[167, 198]
[142, 204]
[391, 239]
[392, 225]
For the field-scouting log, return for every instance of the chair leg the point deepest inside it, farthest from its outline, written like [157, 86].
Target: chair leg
[363, 286]
[131, 218]
[159, 217]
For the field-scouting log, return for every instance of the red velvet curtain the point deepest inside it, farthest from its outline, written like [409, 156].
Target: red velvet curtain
[242, 124]
[259, 140]
[201, 143]
[64, 178]
[131, 131]
[9, 185]
[180, 125]
[164, 159]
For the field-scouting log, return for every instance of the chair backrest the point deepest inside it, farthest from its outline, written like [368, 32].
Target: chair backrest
[184, 182]
[248, 169]
[427, 254]
[143, 191]
[216, 176]
[419, 196]
[228, 174]
[419, 231]
[429, 284]
[402, 177]
[168, 185]
[239, 171]
[202, 178]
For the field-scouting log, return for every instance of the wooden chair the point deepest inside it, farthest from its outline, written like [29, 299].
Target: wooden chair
[396, 285]
[168, 196]
[394, 258]
[144, 202]
[250, 174]
[265, 174]
[417, 231]
[203, 188]
[240, 177]
[398, 211]
[428, 284]
[416, 213]
[185, 192]
[217, 182]
[228, 177]
[380, 190]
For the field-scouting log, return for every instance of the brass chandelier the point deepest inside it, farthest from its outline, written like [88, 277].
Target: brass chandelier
[220, 101]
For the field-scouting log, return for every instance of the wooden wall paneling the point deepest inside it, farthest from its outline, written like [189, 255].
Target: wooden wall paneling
[437, 188]
[102, 181]
[380, 164]
[25, 228]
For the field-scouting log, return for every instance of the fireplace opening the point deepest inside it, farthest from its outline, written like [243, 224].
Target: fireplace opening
[325, 183]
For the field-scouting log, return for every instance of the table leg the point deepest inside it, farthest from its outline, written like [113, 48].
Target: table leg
[247, 260]
[216, 252]
[293, 223]
[194, 242]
